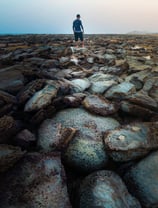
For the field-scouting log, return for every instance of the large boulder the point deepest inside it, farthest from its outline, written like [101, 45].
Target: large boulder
[38, 180]
[105, 189]
[85, 152]
[79, 118]
[142, 181]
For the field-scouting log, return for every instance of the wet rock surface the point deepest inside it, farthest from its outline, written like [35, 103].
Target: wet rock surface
[67, 112]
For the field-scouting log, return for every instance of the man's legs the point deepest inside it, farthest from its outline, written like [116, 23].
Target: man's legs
[79, 35]
[76, 39]
[81, 38]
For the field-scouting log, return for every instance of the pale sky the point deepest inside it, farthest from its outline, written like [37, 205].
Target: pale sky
[98, 16]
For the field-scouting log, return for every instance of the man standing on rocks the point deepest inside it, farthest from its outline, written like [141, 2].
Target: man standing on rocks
[78, 30]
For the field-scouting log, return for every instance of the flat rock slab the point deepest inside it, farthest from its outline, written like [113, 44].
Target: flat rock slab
[99, 105]
[105, 189]
[132, 141]
[37, 181]
[142, 181]
[120, 91]
[99, 87]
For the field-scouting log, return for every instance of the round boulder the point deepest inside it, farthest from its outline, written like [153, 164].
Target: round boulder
[38, 180]
[105, 189]
[142, 181]
[86, 153]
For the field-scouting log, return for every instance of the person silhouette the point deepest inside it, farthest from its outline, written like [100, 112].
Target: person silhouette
[78, 30]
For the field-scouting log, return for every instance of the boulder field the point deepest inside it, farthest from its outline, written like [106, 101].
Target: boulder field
[78, 126]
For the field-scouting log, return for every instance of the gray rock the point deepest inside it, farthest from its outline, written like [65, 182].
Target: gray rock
[7, 58]
[151, 86]
[64, 59]
[105, 189]
[109, 56]
[28, 91]
[136, 65]
[9, 155]
[99, 105]
[76, 118]
[112, 70]
[7, 101]
[99, 77]
[136, 110]
[100, 82]
[74, 100]
[132, 141]
[53, 136]
[142, 181]
[141, 76]
[25, 139]
[143, 99]
[37, 181]
[85, 152]
[101, 86]
[80, 85]
[9, 127]
[120, 91]
[90, 60]
[11, 79]
[36, 61]
[7, 98]
[41, 98]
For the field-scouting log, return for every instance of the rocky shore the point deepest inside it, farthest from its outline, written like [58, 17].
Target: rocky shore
[78, 126]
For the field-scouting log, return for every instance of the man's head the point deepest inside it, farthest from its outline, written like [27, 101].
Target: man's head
[78, 16]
